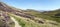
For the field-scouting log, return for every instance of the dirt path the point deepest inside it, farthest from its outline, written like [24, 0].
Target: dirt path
[16, 22]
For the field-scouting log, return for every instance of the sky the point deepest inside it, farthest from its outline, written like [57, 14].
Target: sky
[34, 4]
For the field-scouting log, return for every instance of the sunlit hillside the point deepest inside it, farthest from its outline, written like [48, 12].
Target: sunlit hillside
[14, 17]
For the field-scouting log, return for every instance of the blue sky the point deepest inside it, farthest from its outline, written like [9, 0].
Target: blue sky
[34, 4]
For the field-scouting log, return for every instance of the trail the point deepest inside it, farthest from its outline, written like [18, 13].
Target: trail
[16, 22]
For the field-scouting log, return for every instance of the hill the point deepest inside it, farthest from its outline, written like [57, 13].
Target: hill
[14, 17]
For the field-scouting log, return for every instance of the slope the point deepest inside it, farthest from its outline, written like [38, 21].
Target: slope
[28, 18]
[26, 22]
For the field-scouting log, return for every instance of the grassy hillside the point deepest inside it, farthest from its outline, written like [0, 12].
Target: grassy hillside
[50, 15]
[29, 18]
[25, 22]
[55, 14]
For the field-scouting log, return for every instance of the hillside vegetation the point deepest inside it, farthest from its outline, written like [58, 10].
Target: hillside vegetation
[50, 15]
[28, 18]
[25, 22]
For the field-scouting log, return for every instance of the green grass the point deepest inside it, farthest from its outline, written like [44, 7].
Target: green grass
[49, 15]
[24, 23]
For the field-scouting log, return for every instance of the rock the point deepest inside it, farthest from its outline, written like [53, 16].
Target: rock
[5, 20]
[42, 21]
